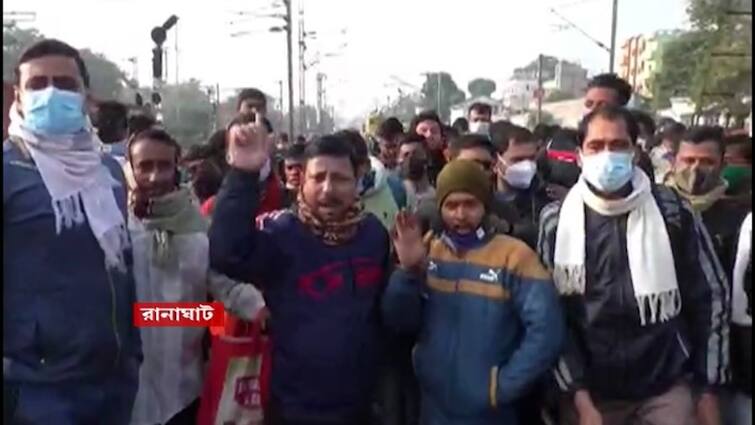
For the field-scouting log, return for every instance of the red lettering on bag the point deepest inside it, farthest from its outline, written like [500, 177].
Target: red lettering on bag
[247, 392]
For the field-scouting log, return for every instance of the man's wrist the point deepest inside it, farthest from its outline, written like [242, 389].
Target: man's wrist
[583, 401]
[415, 270]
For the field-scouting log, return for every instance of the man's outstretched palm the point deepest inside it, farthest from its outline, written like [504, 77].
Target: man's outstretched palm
[249, 145]
[407, 239]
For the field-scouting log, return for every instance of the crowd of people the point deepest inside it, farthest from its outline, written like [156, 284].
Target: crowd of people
[477, 273]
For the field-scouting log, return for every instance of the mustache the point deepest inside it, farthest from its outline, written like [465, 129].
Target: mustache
[330, 202]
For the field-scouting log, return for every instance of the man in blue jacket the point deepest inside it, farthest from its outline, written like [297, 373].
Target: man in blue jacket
[485, 309]
[322, 269]
[70, 352]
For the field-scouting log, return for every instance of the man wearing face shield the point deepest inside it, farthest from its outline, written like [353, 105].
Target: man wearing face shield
[70, 351]
[641, 285]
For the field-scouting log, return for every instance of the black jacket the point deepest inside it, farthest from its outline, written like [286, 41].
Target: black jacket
[524, 211]
[608, 352]
[723, 221]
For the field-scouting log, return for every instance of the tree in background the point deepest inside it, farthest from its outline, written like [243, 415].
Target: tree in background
[15, 40]
[712, 64]
[677, 68]
[545, 118]
[106, 79]
[448, 91]
[481, 87]
[187, 112]
[404, 108]
[529, 72]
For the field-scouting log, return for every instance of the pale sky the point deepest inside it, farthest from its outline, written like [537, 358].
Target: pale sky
[403, 38]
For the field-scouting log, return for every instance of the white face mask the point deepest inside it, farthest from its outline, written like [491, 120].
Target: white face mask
[520, 175]
[479, 127]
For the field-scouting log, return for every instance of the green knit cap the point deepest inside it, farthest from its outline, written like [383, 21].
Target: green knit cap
[463, 176]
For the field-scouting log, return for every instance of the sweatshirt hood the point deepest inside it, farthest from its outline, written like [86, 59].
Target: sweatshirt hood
[375, 179]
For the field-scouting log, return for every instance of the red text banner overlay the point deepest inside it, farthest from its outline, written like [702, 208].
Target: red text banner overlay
[148, 315]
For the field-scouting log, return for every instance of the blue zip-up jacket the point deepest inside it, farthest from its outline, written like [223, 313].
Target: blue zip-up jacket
[323, 300]
[65, 315]
[489, 324]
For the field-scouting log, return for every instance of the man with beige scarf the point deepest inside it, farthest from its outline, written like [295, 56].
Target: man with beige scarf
[696, 176]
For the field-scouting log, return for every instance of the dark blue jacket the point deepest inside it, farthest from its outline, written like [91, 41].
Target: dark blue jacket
[65, 315]
[324, 301]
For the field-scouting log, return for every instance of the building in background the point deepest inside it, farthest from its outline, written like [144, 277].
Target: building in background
[460, 109]
[570, 78]
[518, 94]
[641, 60]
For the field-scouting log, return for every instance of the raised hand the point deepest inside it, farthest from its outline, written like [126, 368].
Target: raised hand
[586, 410]
[249, 145]
[407, 239]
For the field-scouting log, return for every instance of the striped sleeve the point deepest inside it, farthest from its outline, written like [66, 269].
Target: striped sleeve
[706, 303]
[547, 234]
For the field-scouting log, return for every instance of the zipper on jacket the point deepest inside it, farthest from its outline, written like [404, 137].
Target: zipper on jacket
[623, 335]
[113, 317]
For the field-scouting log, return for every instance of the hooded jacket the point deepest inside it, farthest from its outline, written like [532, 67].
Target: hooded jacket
[525, 205]
[383, 195]
[489, 325]
[608, 352]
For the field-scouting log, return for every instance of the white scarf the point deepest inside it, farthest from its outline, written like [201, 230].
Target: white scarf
[739, 297]
[72, 171]
[651, 261]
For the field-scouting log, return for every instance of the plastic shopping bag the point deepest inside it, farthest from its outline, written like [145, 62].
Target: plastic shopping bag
[237, 381]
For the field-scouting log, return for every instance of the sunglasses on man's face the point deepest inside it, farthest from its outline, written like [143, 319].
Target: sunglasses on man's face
[41, 82]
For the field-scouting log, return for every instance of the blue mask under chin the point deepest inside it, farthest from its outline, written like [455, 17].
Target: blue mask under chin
[467, 241]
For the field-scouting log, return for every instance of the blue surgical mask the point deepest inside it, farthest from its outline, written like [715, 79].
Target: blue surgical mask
[53, 112]
[608, 171]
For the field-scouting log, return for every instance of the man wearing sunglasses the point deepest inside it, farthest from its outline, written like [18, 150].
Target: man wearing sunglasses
[70, 352]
